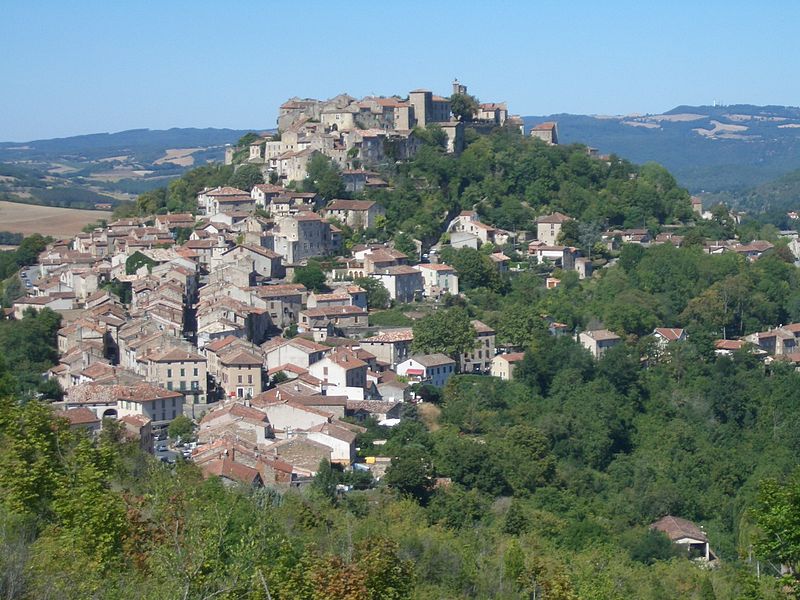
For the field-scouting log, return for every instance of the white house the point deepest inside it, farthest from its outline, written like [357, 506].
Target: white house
[434, 369]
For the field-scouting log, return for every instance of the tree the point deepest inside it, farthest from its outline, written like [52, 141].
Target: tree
[377, 294]
[326, 479]
[323, 177]
[246, 177]
[405, 243]
[447, 331]
[463, 106]
[411, 474]
[180, 427]
[777, 513]
[474, 268]
[311, 276]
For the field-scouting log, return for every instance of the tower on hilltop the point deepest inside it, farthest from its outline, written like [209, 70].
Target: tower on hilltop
[459, 88]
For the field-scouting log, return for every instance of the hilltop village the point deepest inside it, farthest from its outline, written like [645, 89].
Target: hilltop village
[276, 372]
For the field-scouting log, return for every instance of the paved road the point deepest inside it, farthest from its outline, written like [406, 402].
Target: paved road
[32, 274]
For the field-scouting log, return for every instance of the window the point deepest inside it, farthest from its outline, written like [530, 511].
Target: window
[240, 379]
[249, 379]
[169, 372]
[183, 387]
[195, 385]
[194, 372]
[169, 385]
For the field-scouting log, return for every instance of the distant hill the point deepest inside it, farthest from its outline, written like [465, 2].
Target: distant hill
[707, 148]
[101, 168]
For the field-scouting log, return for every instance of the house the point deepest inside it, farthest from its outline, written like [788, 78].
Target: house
[156, 403]
[210, 199]
[263, 261]
[232, 418]
[547, 132]
[283, 302]
[81, 418]
[357, 214]
[404, 283]
[666, 335]
[598, 341]
[560, 256]
[727, 347]
[175, 221]
[548, 227]
[753, 250]
[467, 230]
[503, 365]
[240, 372]
[390, 346]
[231, 472]
[350, 295]
[777, 342]
[434, 369]
[479, 359]
[341, 370]
[438, 279]
[37, 303]
[340, 437]
[685, 533]
[340, 317]
[138, 428]
[304, 235]
[178, 369]
[297, 352]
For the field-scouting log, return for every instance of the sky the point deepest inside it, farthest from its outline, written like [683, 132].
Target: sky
[80, 66]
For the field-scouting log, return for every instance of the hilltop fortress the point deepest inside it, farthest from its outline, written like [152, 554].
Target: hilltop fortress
[365, 133]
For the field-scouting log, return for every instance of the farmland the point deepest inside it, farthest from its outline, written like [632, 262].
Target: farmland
[47, 220]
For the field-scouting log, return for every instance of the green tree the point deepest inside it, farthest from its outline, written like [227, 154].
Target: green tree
[312, 276]
[411, 474]
[180, 427]
[324, 177]
[377, 294]
[463, 106]
[475, 269]
[448, 331]
[777, 513]
[246, 177]
[405, 243]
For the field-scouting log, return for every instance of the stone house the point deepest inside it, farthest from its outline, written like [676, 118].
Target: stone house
[181, 370]
[390, 346]
[479, 359]
[438, 279]
[296, 351]
[340, 317]
[548, 227]
[358, 214]
[156, 403]
[597, 342]
[304, 235]
[404, 283]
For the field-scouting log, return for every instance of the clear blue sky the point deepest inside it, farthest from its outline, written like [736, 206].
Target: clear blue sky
[79, 66]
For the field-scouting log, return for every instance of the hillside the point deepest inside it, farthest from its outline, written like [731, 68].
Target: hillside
[84, 170]
[707, 148]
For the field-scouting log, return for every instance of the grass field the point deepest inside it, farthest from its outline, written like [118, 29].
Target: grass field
[47, 220]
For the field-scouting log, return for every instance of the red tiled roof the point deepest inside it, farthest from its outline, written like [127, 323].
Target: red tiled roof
[79, 416]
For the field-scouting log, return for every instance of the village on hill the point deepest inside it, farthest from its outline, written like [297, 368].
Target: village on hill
[275, 375]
